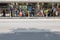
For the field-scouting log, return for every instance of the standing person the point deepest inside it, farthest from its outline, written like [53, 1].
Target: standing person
[54, 11]
[24, 8]
[50, 12]
[58, 10]
[46, 12]
[16, 12]
[20, 13]
[32, 13]
[4, 12]
[41, 12]
[11, 10]
[30, 10]
[27, 12]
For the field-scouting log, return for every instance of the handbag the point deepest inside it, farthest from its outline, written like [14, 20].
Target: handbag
[56, 13]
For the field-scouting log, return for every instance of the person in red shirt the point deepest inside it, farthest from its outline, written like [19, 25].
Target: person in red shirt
[20, 13]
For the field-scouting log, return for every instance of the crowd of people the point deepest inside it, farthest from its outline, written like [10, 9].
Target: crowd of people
[25, 11]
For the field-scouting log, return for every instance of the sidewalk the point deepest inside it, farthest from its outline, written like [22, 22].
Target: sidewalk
[29, 17]
[7, 25]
